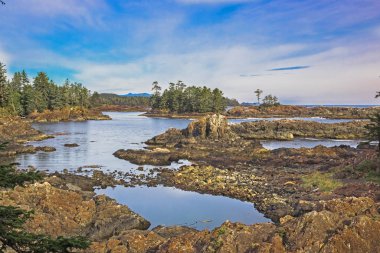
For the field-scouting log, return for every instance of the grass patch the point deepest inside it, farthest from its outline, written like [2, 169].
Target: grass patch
[324, 181]
[373, 177]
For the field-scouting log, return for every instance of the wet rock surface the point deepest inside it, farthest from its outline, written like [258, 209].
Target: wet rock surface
[290, 129]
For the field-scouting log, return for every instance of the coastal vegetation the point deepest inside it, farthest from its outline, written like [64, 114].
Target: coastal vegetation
[322, 181]
[179, 98]
[108, 99]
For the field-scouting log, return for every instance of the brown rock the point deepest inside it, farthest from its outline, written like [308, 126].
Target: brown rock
[213, 127]
[67, 213]
[173, 231]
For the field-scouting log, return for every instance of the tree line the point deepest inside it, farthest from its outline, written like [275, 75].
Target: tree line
[98, 99]
[180, 98]
[20, 96]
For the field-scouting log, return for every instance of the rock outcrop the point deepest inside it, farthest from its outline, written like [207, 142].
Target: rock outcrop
[213, 127]
[205, 139]
[340, 225]
[15, 132]
[67, 213]
[290, 129]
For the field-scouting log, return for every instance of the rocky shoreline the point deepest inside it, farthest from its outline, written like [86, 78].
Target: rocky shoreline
[302, 111]
[319, 199]
[16, 132]
[68, 114]
[281, 111]
[290, 129]
[65, 205]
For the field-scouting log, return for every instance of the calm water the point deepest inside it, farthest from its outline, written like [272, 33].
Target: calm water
[98, 140]
[170, 206]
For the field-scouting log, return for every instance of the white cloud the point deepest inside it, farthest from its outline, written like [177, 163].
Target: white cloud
[337, 76]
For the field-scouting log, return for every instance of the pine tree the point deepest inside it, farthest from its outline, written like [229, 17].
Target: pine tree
[270, 100]
[41, 85]
[28, 101]
[219, 102]
[15, 88]
[155, 99]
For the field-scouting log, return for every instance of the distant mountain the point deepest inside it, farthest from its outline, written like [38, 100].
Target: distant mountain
[136, 95]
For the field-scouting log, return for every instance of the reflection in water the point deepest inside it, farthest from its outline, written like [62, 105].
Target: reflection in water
[170, 206]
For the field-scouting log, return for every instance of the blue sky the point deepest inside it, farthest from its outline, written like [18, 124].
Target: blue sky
[313, 52]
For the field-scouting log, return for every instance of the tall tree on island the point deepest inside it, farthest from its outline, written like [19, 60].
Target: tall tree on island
[155, 98]
[258, 93]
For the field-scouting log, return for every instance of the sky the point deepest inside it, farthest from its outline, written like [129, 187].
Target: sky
[304, 52]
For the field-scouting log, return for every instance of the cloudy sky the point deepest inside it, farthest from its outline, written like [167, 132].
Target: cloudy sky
[305, 52]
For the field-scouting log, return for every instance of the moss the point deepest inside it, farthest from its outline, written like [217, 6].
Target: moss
[324, 181]
[221, 231]
[368, 167]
